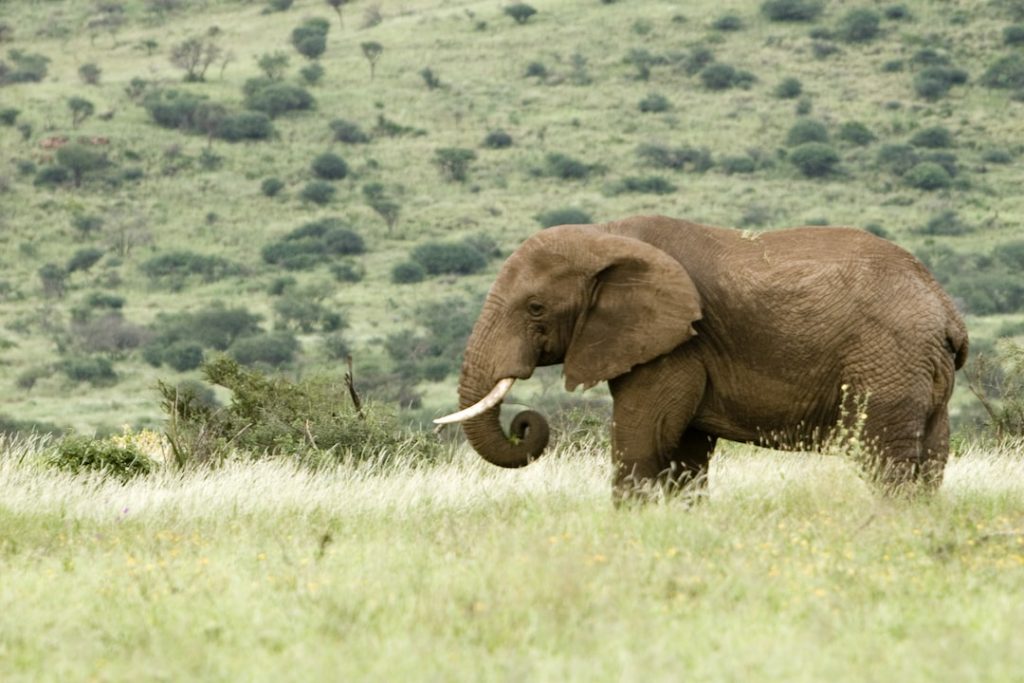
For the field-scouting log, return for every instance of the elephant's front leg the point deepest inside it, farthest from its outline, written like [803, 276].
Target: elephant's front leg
[652, 449]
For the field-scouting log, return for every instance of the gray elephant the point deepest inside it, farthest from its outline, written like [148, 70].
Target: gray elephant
[705, 333]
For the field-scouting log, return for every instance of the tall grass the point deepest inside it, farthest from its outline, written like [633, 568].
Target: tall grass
[394, 570]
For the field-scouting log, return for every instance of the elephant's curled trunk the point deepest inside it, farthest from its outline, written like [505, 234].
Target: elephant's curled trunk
[528, 432]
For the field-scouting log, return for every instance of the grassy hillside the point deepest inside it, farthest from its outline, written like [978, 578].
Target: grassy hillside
[596, 65]
[456, 570]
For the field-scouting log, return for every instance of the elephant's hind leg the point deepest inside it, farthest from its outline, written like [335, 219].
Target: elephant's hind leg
[914, 464]
[687, 470]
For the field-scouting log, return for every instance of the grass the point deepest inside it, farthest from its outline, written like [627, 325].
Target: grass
[792, 570]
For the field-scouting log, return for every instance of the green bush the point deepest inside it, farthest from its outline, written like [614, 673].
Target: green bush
[936, 137]
[654, 103]
[52, 176]
[567, 168]
[1013, 35]
[183, 355]
[95, 370]
[317, 192]
[245, 125]
[455, 258]
[789, 88]
[1007, 73]
[997, 156]
[643, 184]
[814, 159]
[84, 259]
[1011, 254]
[565, 216]
[269, 416]
[347, 270]
[498, 139]
[806, 130]
[8, 116]
[11, 426]
[310, 37]
[304, 311]
[270, 187]
[737, 164]
[275, 98]
[897, 158]
[408, 272]
[791, 10]
[859, 26]
[314, 243]
[270, 348]
[727, 22]
[453, 163]
[928, 176]
[520, 11]
[856, 133]
[536, 70]
[171, 108]
[173, 268]
[330, 166]
[24, 67]
[80, 454]
[348, 132]
[934, 81]
[897, 12]
[947, 223]
[212, 327]
[312, 73]
[718, 76]
[676, 158]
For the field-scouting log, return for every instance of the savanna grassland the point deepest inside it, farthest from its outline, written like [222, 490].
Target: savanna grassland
[250, 192]
[263, 571]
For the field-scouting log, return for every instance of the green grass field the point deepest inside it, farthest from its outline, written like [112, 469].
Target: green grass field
[792, 570]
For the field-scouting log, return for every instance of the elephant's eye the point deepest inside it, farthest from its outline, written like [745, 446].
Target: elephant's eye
[535, 309]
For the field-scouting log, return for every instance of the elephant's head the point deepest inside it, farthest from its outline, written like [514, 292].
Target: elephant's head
[600, 303]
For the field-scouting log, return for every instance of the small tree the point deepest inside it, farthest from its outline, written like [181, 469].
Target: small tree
[195, 56]
[454, 162]
[521, 12]
[814, 159]
[310, 37]
[372, 50]
[336, 5]
[273, 64]
[80, 160]
[81, 109]
[385, 206]
[330, 166]
[54, 280]
[90, 73]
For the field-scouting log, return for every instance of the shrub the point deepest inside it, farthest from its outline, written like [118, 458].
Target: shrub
[565, 216]
[897, 12]
[310, 37]
[246, 125]
[95, 370]
[430, 79]
[567, 168]
[654, 103]
[348, 132]
[213, 327]
[814, 159]
[312, 73]
[718, 76]
[646, 184]
[1006, 73]
[84, 259]
[455, 258]
[936, 137]
[897, 158]
[520, 11]
[347, 271]
[728, 22]
[408, 272]
[1011, 254]
[1013, 35]
[24, 67]
[172, 268]
[171, 108]
[274, 98]
[80, 454]
[312, 418]
[183, 356]
[933, 82]
[947, 223]
[498, 139]
[305, 311]
[738, 164]
[677, 158]
[271, 187]
[51, 176]
[856, 133]
[997, 156]
[330, 166]
[314, 243]
[317, 192]
[928, 176]
[8, 116]
[859, 26]
[453, 163]
[791, 10]
[806, 130]
[789, 88]
[536, 70]
[270, 348]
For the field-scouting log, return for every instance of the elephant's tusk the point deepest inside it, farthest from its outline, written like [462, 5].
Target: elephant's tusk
[483, 405]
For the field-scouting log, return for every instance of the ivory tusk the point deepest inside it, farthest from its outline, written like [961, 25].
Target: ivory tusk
[483, 405]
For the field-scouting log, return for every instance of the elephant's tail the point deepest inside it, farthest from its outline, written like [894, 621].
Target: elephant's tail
[956, 338]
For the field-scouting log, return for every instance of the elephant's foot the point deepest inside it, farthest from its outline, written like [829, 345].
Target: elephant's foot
[906, 477]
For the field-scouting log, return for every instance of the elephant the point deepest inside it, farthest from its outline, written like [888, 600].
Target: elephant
[706, 333]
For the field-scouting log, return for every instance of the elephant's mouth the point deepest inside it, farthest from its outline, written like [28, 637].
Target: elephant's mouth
[493, 398]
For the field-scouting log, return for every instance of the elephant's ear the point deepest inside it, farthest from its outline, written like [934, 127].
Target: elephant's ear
[643, 304]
